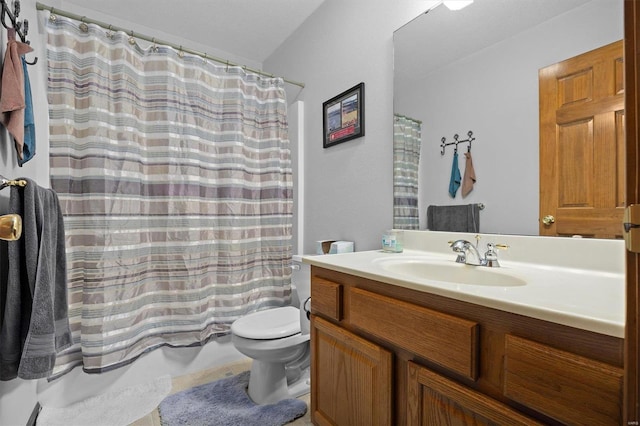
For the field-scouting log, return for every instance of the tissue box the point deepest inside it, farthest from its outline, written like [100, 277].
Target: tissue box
[341, 247]
[323, 246]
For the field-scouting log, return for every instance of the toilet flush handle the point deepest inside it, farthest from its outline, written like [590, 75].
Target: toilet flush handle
[307, 307]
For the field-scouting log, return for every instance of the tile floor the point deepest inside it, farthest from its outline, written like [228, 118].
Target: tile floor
[206, 376]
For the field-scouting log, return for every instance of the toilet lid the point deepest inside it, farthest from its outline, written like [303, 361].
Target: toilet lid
[269, 324]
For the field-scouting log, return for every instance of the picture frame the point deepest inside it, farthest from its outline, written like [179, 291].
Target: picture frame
[343, 116]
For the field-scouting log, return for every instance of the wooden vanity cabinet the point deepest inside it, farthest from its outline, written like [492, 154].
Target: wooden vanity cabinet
[387, 355]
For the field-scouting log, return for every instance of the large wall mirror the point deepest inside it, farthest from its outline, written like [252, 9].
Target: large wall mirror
[476, 69]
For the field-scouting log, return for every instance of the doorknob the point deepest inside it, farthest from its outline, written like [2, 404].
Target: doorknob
[10, 227]
[548, 219]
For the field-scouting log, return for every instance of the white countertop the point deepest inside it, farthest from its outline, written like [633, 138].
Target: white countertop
[584, 298]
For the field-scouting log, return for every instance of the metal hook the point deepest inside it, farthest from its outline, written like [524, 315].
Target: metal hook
[35, 61]
[83, 25]
[52, 15]
[5, 12]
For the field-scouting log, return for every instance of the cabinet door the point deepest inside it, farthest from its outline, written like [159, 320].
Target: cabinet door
[566, 387]
[350, 378]
[436, 400]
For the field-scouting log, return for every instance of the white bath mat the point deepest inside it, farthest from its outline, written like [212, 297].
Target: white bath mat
[119, 407]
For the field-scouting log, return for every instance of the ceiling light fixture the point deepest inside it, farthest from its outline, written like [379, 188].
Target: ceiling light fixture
[457, 4]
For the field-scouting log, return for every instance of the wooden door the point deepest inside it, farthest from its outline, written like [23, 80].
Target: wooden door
[351, 378]
[632, 99]
[434, 400]
[582, 145]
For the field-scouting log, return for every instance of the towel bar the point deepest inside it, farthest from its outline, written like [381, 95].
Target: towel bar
[4, 182]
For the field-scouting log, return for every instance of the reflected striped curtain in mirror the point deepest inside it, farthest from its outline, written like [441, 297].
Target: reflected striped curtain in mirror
[406, 160]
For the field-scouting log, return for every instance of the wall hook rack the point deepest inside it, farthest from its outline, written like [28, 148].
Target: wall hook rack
[456, 141]
[21, 27]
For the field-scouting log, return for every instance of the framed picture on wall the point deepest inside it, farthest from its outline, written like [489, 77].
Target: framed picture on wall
[343, 116]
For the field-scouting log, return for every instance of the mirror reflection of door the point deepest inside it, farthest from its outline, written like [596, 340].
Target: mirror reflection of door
[582, 145]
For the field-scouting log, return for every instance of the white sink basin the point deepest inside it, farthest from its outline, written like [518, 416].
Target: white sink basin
[456, 273]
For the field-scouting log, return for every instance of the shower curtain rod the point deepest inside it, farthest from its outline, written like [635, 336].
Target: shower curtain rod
[409, 118]
[40, 6]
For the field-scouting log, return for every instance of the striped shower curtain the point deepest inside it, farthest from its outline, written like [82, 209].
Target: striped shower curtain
[174, 177]
[406, 159]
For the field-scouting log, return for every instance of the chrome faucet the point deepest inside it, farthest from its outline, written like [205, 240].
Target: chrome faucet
[469, 254]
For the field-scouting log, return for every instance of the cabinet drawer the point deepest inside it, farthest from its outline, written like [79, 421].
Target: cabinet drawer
[444, 339]
[326, 298]
[433, 399]
[564, 386]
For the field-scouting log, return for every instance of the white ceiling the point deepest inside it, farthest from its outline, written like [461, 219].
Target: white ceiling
[251, 29]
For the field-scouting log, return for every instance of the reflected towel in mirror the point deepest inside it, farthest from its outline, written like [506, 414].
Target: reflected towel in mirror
[459, 218]
[454, 182]
[469, 175]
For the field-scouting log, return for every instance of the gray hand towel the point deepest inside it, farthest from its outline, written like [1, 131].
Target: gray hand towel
[459, 218]
[35, 326]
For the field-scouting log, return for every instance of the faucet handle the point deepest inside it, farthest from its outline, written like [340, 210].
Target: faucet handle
[491, 256]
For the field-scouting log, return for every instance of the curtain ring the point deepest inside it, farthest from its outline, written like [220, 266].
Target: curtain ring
[83, 26]
[154, 47]
[132, 39]
[180, 53]
[52, 15]
[227, 65]
[110, 32]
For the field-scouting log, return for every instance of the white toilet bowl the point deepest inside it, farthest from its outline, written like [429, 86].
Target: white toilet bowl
[280, 353]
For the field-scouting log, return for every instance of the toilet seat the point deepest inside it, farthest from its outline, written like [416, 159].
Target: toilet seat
[269, 324]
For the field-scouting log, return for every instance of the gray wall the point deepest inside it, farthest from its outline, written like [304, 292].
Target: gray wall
[348, 187]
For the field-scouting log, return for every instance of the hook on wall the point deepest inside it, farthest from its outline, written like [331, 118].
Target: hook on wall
[21, 27]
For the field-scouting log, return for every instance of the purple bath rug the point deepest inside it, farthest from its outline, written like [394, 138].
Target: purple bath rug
[225, 402]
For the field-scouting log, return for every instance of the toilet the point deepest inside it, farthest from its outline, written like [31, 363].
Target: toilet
[278, 341]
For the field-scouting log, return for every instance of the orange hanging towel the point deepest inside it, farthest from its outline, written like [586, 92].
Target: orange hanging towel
[12, 100]
[469, 175]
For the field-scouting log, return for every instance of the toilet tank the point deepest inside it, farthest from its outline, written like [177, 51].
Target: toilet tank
[300, 281]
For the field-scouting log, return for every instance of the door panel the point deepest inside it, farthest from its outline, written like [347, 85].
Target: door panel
[582, 144]
[358, 370]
